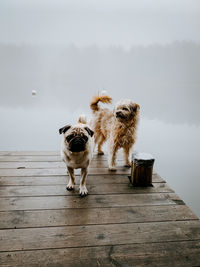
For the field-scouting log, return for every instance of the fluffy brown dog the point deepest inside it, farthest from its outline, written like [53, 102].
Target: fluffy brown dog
[117, 126]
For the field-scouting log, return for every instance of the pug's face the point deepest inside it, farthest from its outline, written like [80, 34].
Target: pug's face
[76, 138]
[126, 110]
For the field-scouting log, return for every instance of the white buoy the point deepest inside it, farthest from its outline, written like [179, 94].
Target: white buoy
[103, 92]
[34, 92]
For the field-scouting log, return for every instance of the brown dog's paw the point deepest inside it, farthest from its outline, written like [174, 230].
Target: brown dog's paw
[112, 168]
[100, 152]
[128, 165]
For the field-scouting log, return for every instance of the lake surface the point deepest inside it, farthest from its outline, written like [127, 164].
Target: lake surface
[176, 147]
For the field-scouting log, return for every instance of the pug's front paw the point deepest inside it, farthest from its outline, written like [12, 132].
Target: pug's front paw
[70, 186]
[83, 190]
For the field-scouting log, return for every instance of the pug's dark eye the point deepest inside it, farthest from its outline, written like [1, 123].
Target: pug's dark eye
[125, 109]
[69, 137]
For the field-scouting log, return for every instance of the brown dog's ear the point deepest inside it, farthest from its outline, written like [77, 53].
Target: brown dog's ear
[64, 129]
[134, 107]
[90, 132]
[138, 106]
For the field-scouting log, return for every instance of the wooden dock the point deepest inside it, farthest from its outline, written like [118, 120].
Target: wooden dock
[43, 224]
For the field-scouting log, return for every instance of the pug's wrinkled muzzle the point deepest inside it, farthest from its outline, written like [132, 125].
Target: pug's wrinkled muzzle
[77, 144]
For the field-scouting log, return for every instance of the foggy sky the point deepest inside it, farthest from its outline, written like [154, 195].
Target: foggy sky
[111, 22]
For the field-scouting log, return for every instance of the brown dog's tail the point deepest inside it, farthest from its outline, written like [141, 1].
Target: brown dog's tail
[99, 98]
[82, 119]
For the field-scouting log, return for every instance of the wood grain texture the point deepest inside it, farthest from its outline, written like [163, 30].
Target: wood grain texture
[7, 158]
[29, 153]
[47, 153]
[92, 201]
[59, 171]
[182, 253]
[50, 164]
[92, 235]
[42, 224]
[62, 179]
[95, 189]
[45, 156]
[44, 218]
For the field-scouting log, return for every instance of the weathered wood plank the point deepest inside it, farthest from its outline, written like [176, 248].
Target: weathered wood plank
[29, 153]
[5, 158]
[157, 254]
[19, 159]
[60, 171]
[43, 153]
[47, 153]
[47, 158]
[50, 164]
[91, 201]
[93, 235]
[46, 218]
[97, 189]
[31, 165]
[30, 159]
[62, 179]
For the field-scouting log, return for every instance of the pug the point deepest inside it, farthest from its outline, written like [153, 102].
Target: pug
[76, 151]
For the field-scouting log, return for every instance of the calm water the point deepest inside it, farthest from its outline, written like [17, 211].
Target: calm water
[176, 147]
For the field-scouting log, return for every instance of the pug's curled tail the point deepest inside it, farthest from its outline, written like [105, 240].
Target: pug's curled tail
[99, 98]
[82, 119]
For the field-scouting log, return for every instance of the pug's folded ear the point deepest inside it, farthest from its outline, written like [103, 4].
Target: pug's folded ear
[90, 132]
[64, 129]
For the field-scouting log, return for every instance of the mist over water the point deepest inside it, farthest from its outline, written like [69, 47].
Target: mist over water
[145, 51]
[163, 79]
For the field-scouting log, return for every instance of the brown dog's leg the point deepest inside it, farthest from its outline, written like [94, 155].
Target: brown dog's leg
[126, 156]
[83, 189]
[102, 140]
[71, 183]
[112, 152]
